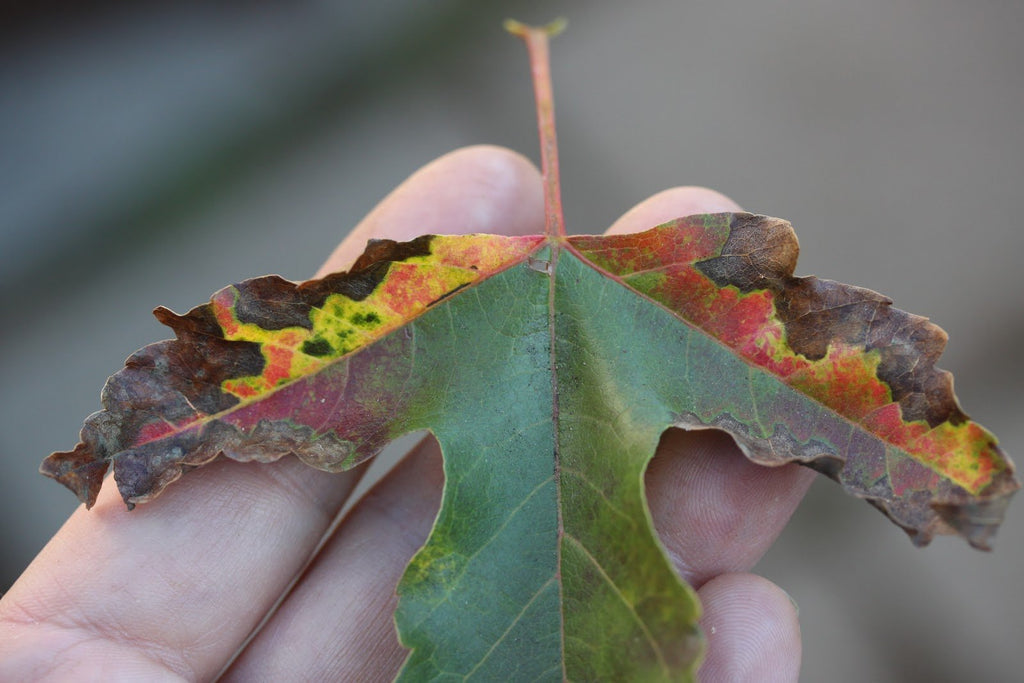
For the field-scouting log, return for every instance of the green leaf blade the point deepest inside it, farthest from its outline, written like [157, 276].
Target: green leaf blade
[492, 549]
[617, 581]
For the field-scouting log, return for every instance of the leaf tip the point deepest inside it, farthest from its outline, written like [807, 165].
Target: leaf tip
[78, 470]
[978, 521]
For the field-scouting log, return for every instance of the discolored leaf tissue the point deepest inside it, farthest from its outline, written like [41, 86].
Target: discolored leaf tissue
[548, 367]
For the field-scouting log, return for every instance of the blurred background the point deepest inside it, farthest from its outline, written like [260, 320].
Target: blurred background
[151, 153]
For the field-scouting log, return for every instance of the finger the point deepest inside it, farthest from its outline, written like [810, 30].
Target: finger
[475, 189]
[714, 510]
[338, 623]
[752, 631]
[672, 203]
[179, 583]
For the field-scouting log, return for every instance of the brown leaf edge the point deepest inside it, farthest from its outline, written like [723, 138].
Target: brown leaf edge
[178, 382]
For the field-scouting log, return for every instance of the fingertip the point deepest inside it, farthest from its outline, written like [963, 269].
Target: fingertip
[482, 188]
[672, 203]
[716, 511]
[752, 630]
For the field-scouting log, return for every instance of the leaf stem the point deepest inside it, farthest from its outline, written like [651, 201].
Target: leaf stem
[536, 39]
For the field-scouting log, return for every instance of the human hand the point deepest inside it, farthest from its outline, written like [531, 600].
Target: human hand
[173, 589]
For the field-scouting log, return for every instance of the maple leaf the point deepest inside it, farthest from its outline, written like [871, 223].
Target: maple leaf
[548, 368]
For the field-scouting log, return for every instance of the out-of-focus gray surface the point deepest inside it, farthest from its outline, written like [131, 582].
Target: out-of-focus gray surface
[151, 155]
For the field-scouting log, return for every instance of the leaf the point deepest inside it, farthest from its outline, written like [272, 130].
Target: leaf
[548, 367]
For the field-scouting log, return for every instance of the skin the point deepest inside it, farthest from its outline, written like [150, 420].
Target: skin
[173, 590]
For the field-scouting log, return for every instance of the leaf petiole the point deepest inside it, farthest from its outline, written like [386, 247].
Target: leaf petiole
[536, 39]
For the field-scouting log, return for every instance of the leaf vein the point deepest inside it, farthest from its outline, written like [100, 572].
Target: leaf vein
[601, 493]
[512, 624]
[655, 647]
[497, 532]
